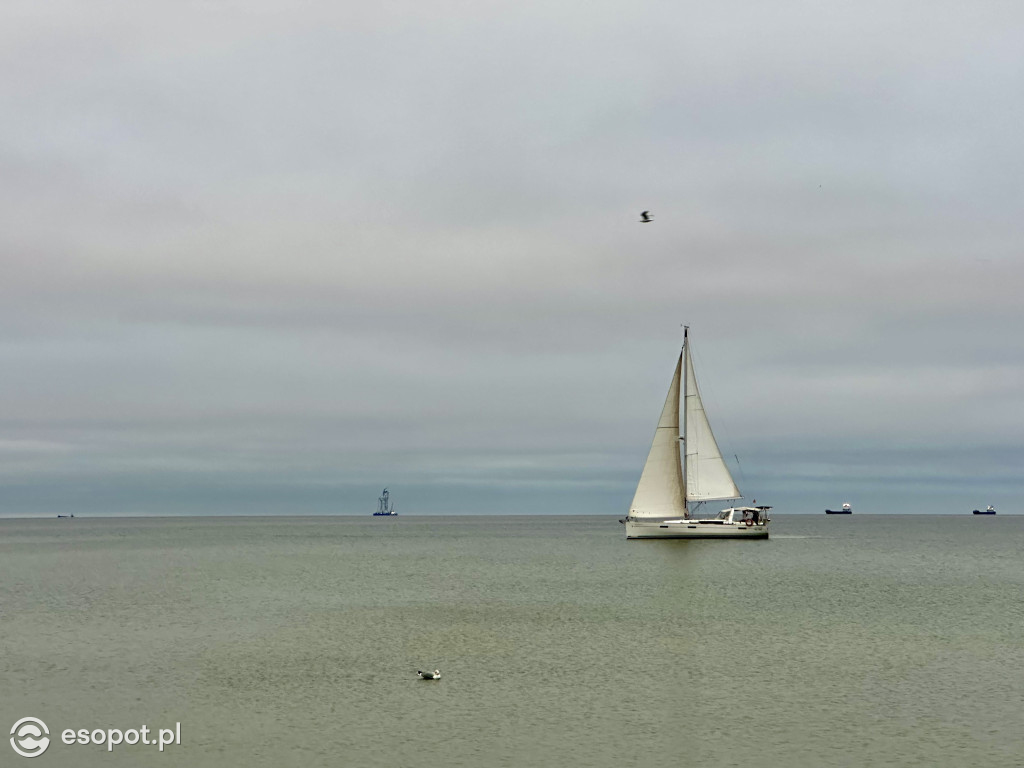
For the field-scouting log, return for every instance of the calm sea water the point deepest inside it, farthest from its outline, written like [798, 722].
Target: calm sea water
[860, 641]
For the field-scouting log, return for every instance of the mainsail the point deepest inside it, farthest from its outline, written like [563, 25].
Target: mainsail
[707, 476]
[670, 480]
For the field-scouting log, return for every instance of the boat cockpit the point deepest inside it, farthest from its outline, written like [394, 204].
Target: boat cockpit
[748, 515]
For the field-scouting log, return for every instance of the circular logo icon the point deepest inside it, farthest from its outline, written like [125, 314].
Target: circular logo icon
[30, 737]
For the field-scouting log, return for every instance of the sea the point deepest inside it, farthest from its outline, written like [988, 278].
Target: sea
[862, 640]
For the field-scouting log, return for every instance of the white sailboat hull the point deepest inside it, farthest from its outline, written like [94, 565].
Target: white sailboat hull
[694, 529]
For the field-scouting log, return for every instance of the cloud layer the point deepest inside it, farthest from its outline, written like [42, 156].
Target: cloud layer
[271, 257]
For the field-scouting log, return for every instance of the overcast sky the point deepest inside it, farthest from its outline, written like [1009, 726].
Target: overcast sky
[268, 257]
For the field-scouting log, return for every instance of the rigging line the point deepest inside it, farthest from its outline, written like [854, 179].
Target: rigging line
[739, 466]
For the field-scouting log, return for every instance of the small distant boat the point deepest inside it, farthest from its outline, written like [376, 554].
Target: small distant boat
[989, 510]
[684, 467]
[435, 675]
[383, 508]
[846, 510]
[65, 515]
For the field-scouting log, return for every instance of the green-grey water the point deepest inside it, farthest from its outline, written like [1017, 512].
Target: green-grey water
[871, 640]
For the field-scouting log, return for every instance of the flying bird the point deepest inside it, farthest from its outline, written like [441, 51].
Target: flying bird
[645, 217]
[435, 675]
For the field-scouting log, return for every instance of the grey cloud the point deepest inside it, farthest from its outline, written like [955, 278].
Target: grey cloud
[302, 248]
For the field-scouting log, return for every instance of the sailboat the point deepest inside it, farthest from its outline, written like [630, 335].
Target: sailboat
[684, 468]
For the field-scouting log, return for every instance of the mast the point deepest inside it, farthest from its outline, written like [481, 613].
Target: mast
[682, 415]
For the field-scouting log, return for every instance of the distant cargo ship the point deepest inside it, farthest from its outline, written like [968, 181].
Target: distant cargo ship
[846, 510]
[990, 510]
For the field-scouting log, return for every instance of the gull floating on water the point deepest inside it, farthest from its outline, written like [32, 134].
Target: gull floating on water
[435, 675]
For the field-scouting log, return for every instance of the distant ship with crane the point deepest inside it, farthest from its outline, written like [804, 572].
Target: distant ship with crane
[385, 508]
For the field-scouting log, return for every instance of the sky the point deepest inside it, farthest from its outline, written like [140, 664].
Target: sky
[268, 258]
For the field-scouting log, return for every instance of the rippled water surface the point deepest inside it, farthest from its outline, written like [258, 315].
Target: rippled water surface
[868, 640]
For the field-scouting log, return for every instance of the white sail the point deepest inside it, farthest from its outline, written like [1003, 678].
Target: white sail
[707, 476]
[659, 494]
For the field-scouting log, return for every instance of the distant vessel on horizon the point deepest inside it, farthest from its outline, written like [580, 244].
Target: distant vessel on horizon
[989, 510]
[383, 510]
[846, 510]
[65, 515]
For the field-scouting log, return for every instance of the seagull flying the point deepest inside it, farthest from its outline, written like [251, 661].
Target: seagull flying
[435, 675]
[645, 217]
